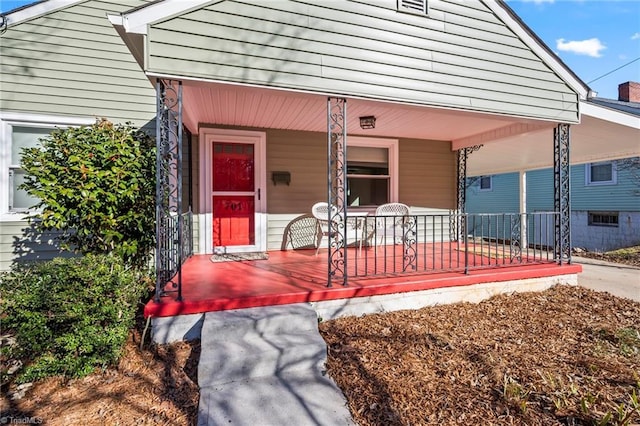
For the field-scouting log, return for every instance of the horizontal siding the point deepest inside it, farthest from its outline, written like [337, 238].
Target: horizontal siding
[304, 155]
[461, 55]
[504, 196]
[427, 175]
[540, 190]
[623, 196]
[19, 242]
[276, 225]
[72, 62]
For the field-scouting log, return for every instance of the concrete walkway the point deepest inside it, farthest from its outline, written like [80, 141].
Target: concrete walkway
[619, 280]
[265, 366]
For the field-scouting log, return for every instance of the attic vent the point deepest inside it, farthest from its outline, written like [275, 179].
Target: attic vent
[413, 6]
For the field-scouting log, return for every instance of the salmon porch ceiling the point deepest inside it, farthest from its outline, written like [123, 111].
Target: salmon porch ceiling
[278, 109]
[593, 139]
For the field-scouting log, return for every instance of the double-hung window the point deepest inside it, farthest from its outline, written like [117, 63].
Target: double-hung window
[371, 171]
[21, 137]
[19, 131]
[602, 173]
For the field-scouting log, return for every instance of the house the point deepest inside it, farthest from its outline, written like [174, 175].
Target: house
[62, 64]
[605, 197]
[265, 108]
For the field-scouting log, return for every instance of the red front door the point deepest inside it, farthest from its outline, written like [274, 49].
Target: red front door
[233, 194]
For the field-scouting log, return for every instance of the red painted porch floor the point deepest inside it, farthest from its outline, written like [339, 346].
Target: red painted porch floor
[301, 276]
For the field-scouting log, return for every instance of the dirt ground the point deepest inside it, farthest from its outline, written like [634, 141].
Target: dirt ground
[566, 356]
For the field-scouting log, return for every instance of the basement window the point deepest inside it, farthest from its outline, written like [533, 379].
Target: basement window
[413, 6]
[603, 219]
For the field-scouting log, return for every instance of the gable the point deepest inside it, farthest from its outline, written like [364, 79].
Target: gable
[69, 60]
[460, 55]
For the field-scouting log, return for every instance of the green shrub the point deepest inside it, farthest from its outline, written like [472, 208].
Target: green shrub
[68, 316]
[96, 184]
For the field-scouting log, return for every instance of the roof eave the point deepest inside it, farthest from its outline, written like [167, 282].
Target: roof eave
[37, 10]
[139, 20]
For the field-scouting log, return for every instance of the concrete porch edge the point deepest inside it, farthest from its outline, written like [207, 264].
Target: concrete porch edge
[188, 327]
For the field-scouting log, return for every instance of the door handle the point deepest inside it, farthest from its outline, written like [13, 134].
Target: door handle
[258, 194]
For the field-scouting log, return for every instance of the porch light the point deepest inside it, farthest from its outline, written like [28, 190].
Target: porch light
[368, 122]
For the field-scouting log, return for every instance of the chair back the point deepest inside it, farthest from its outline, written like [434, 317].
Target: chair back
[391, 219]
[321, 211]
[392, 209]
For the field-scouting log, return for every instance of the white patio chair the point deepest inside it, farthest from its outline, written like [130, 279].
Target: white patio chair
[354, 233]
[391, 221]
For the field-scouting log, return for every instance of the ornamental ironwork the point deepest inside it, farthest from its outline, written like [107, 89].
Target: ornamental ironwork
[461, 193]
[337, 180]
[515, 239]
[410, 241]
[562, 193]
[169, 219]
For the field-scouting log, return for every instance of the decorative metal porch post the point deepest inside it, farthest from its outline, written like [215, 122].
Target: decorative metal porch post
[457, 224]
[337, 180]
[169, 226]
[562, 192]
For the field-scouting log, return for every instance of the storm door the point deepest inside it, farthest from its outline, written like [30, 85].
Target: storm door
[236, 201]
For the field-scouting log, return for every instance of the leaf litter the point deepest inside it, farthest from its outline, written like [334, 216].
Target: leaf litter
[567, 355]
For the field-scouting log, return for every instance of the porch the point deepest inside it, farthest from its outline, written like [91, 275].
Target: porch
[433, 253]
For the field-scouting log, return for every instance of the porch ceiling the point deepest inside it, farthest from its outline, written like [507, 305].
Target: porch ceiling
[601, 135]
[233, 105]
[510, 144]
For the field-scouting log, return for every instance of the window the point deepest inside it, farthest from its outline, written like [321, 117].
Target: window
[371, 179]
[603, 219]
[21, 137]
[603, 173]
[485, 183]
[413, 6]
[18, 131]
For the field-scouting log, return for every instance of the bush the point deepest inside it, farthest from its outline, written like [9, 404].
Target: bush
[68, 316]
[97, 185]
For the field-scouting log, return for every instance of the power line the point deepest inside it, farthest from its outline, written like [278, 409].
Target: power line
[612, 71]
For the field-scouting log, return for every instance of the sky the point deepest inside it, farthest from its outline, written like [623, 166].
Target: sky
[598, 39]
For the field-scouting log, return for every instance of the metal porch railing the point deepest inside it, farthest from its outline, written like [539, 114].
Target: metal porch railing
[452, 243]
[170, 256]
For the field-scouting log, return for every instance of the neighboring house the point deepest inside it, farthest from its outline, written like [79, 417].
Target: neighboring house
[260, 90]
[605, 192]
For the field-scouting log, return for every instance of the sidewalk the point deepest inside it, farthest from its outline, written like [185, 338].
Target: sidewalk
[617, 279]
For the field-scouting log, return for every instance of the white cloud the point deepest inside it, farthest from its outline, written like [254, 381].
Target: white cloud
[590, 47]
[636, 36]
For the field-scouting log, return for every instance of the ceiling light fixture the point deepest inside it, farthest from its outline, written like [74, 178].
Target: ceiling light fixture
[368, 122]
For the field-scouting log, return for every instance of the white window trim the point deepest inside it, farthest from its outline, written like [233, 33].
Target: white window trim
[392, 146]
[587, 174]
[480, 188]
[7, 121]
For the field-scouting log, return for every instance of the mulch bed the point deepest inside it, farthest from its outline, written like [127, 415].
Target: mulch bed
[567, 355]
[155, 386]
